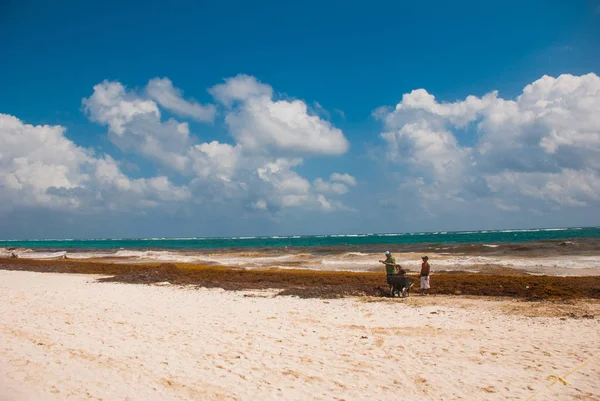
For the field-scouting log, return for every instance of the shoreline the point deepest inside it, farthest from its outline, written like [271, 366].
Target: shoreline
[505, 282]
[569, 260]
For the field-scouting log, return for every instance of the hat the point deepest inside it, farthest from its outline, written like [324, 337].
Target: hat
[387, 253]
[425, 257]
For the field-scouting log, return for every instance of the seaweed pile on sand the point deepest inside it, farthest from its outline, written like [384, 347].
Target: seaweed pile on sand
[321, 284]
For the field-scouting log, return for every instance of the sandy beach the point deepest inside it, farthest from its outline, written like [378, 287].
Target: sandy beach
[68, 337]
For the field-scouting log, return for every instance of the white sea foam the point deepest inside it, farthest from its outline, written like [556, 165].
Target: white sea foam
[517, 231]
[163, 256]
[347, 262]
[5, 253]
[90, 255]
[42, 255]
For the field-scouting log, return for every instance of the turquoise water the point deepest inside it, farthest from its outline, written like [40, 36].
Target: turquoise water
[476, 237]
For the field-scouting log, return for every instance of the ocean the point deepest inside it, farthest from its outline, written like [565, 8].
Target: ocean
[574, 251]
[450, 237]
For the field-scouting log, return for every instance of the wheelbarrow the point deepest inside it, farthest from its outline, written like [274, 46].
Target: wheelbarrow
[400, 285]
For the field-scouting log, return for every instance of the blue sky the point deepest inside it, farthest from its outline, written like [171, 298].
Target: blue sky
[343, 61]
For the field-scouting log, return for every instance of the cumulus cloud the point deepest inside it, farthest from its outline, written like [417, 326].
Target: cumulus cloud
[274, 186]
[343, 178]
[543, 145]
[289, 188]
[112, 105]
[434, 151]
[39, 166]
[135, 125]
[240, 88]
[271, 139]
[539, 150]
[337, 184]
[567, 187]
[266, 133]
[259, 123]
[171, 98]
[214, 159]
[140, 130]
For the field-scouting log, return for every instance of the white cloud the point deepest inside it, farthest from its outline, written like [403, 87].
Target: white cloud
[436, 152]
[143, 132]
[279, 174]
[280, 186]
[112, 105]
[544, 145]
[36, 158]
[319, 110]
[214, 159]
[40, 167]
[330, 187]
[343, 178]
[134, 125]
[337, 184]
[458, 113]
[260, 204]
[109, 177]
[568, 187]
[271, 139]
[240, 88]
[171, 98]
[259, 123]
[325, 204]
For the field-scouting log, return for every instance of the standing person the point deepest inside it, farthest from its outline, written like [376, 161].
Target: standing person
[390, 264]
[425, 270]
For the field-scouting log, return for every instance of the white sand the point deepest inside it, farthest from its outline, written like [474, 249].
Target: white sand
[65, 337]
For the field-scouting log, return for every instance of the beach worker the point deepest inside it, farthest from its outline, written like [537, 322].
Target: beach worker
[13, 254]
[390, 264]
[424, 275]
[400, 271]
